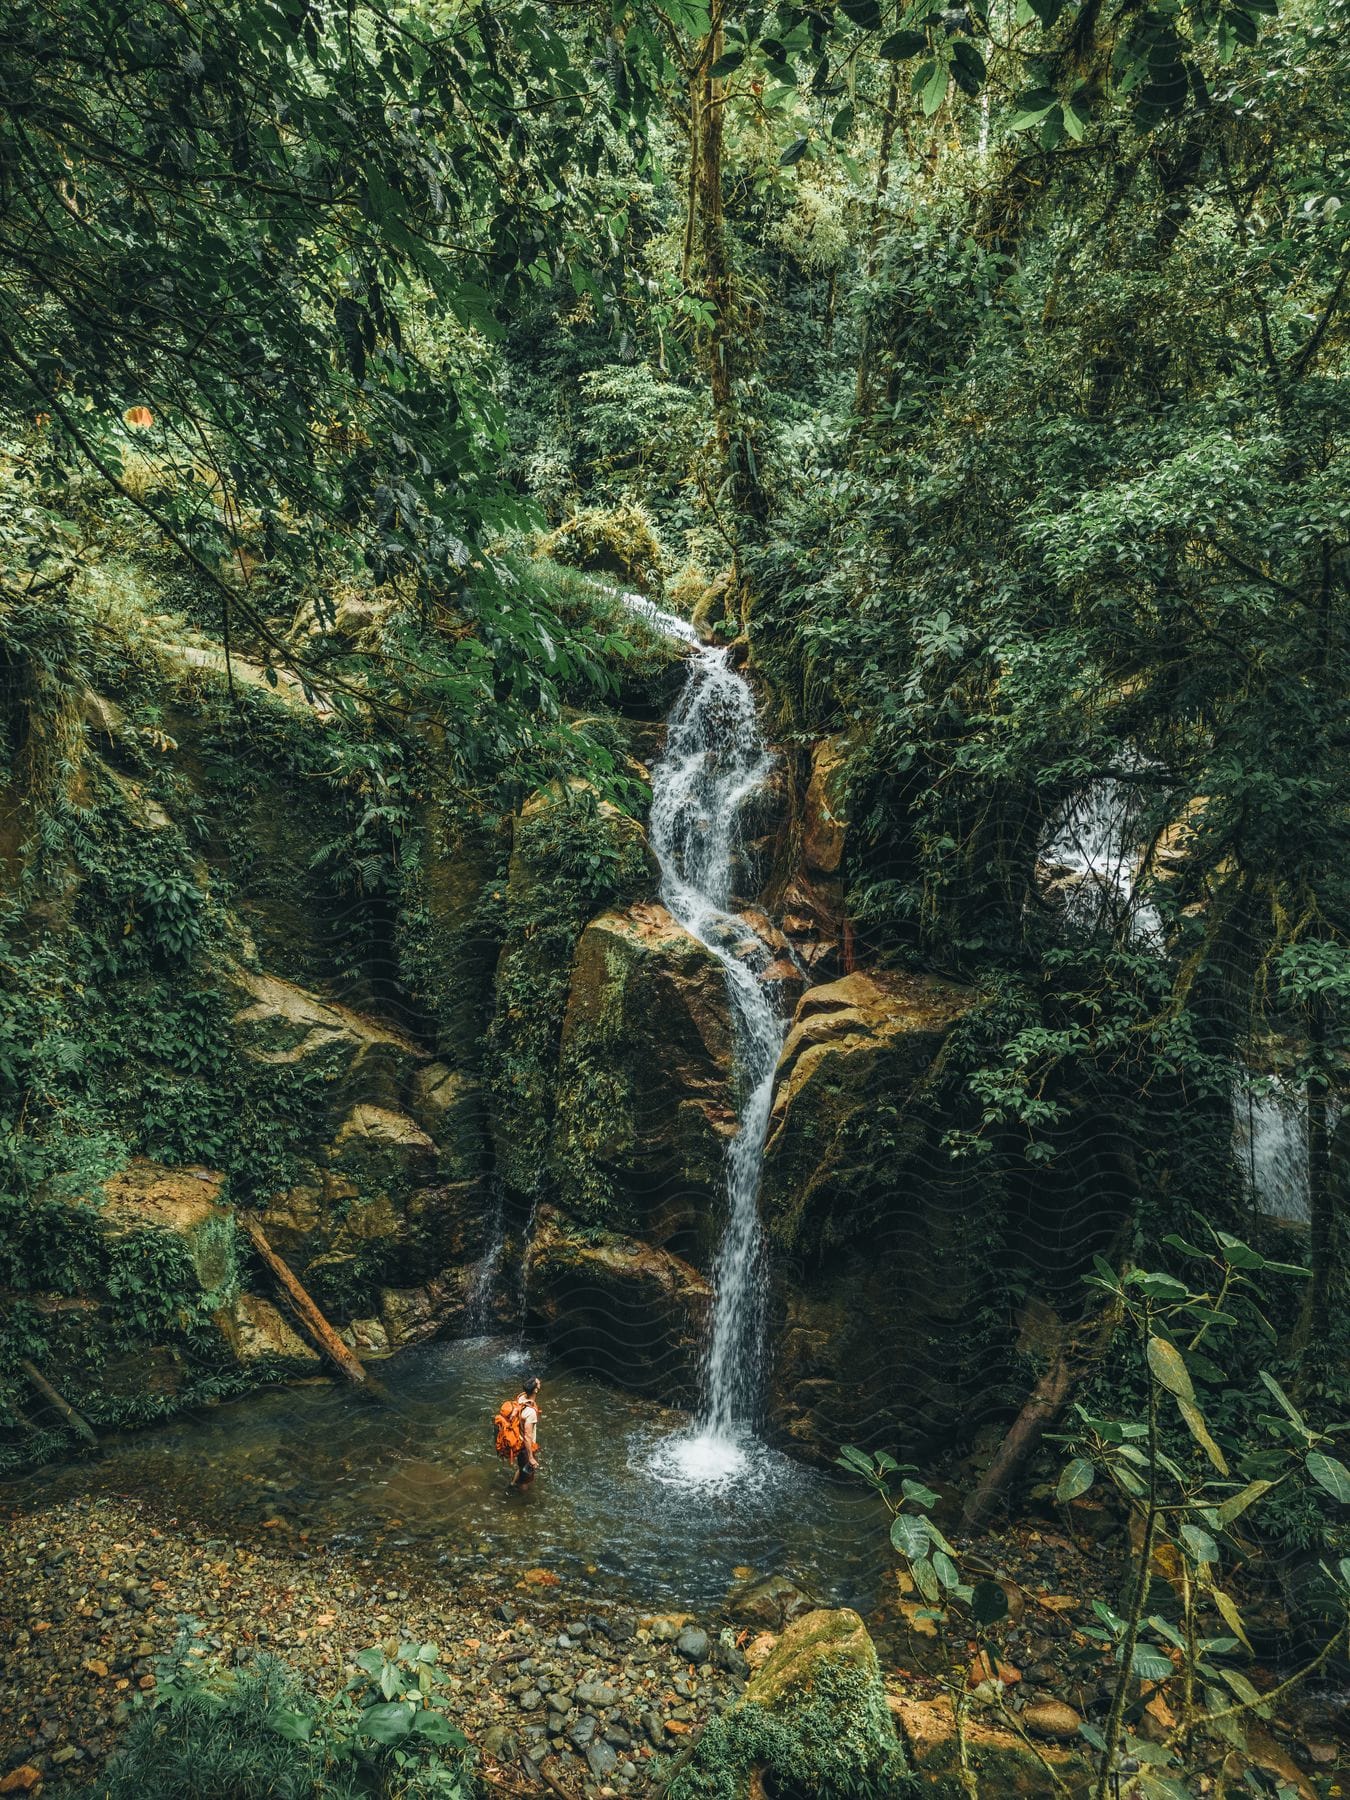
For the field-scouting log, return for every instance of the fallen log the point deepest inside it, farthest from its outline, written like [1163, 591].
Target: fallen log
[1070, 1361]
[347, 1361]
[1043, 1406]
[77, 1423]
[539, 1773]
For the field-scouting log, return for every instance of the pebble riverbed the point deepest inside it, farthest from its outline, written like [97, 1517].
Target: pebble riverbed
[93, 1589]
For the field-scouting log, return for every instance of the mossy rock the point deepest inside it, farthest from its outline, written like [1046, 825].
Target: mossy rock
[813, 1724]
[572, 855]
[645, 1106]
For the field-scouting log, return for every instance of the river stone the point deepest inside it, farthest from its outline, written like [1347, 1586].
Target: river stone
[770, 1603]
[584, 1730]
[693, 1644]
[1052, 1719]
[597, 1694]
[500, 1740]
[603, 1759]
[530, 1699]
[654, 1727]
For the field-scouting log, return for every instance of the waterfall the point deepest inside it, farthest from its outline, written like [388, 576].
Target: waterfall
[1270, 1120]
[1096, 842]
[715, 760]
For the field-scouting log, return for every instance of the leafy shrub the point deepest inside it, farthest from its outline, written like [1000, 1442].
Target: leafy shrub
[619, 539]
[208, 1734]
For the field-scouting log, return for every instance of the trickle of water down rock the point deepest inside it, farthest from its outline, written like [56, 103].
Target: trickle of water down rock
[715, 760]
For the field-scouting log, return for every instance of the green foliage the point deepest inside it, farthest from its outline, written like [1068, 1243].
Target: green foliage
[1196, 1494]
[337, 406]
[206, 1734]
[836, 1744]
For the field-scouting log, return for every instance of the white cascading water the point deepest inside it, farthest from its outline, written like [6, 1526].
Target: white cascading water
[1096, 837]
[714, 761]
[1270, 1120]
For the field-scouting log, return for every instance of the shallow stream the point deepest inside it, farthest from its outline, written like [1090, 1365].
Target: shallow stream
[613, 1511]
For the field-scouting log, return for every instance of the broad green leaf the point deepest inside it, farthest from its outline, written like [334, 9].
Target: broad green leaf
[925, 1580]
[1199, 1543]
[1195, 1424]
[935, 89]
[1157, 1286]
[909, 1536]
[988, 1602]
[902, 46]
[917, 1494]
[1245, 1691]
[1237, 1254]
[1187, 1248]
[1169, 1368]
[388, 1723]
[1237, 1504]
[1291, 1411]
[1330, 1474]
[437, 1729]
[1077, 1478]
[1230, 1615]
[286, 1723]
[1150, 1664]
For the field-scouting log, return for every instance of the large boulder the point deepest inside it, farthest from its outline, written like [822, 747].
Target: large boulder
[128, 1286]
[572, 855]
[261, 1342]
[813, 1719]
[341, 1058]
[375, 1213]
[644, 1106]
[164, 1216]
[878, 1235]
[858, 1047]
[630, 1312]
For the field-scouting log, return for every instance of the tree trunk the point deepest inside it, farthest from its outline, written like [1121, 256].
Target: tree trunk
[713, 277]
[308, 1313]
[76, 1422]
[862, 401]
[1071, 1360]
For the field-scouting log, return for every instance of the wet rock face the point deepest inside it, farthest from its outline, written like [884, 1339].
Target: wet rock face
[614, 1304]
[644, 1099]
[873, 1227]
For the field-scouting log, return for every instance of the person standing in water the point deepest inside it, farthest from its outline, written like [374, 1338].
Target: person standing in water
[527, 1412]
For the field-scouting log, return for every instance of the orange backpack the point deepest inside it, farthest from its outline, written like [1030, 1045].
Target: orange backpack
[510, 1434]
